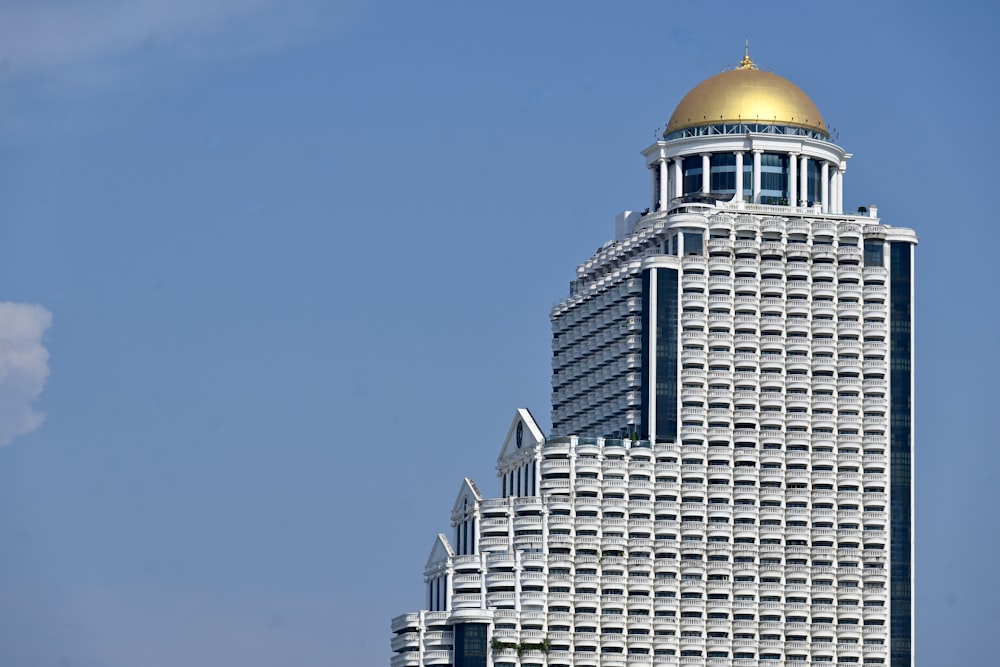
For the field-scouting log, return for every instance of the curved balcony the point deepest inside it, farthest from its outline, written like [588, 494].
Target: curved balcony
[823, 328]
[636, 484]
[771, 282]
[640, 543]
[639, 641]
[848, 328]
[584, 654]
[875, 365]
[852, 384]
[405, 641]
[875, 294]
[822, 310]
[609, 523]
[823, 291]
[770, 342]
[849, 272]
[850, 291]
[823, 269]
[494, 527]
[720, 283]
[849, 253]
[586, 466]
[798, 289]
[747, 287]
[719, 472]
[500, 598]
[720, 265]
[555, 466]
[406, 659]
[693, 301]
[875, 311]
[613, 485]
[848, 366]
[693, 279]
[851, 310]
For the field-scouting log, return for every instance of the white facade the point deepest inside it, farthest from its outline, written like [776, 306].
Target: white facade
[729, 478]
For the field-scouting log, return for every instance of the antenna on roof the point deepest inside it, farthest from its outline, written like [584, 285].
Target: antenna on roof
[746, 63]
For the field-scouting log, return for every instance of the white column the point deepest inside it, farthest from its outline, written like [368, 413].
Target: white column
[517, 575]
[825, 186]
[651, 381]
[664, 192]
[739, 176]
[804, 179]
[482, 580]
[834, 188]
[678, 179]
[840, 189]
[706, 173]
[756, 175]
[793, 179]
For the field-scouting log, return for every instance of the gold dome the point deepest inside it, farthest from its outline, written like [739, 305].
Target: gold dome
[748, 95]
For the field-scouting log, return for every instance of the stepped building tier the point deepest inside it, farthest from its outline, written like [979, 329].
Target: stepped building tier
[728, 478]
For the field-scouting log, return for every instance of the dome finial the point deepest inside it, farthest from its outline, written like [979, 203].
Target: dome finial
[746, 63]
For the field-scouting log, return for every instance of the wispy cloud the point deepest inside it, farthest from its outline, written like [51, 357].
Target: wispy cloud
[47, 36]
[24, 367]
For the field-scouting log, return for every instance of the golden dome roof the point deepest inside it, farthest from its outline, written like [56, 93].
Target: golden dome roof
[748, 95]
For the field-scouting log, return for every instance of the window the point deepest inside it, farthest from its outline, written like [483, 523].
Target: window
[874, 253]
[693, 243]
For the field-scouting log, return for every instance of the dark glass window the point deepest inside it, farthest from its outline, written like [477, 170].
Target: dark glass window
[723, 173]
[666, 355]
[900, 446]
[814, 178]
[470, 645]
[656, 187]
[693, 243]
[873, 253]
[774, 179]
[691, 168]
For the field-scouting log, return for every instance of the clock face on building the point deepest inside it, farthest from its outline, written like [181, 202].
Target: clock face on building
[520, 434]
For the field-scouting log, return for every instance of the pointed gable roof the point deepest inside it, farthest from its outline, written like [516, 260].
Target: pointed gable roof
[523, 435]
[468, 496]
[441, 552]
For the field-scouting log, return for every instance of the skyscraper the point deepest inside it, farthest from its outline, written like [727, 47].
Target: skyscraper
[728, 480]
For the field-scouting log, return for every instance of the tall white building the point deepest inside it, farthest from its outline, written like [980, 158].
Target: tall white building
[729, 476]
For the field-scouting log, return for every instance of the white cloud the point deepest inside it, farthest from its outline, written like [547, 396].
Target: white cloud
[44, 35]
[24, 367]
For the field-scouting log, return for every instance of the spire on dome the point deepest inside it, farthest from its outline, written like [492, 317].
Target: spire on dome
[746, 63]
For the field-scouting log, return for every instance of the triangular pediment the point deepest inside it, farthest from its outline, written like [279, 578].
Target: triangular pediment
[522, 436]
[440, 553]
[468, 496]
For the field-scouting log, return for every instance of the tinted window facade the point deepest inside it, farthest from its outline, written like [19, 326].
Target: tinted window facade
[873, 253]
[691, 168]
[723, 173]
[665, 349]
[900, 447]
[813, 178]
[774, 179]
[470, 645]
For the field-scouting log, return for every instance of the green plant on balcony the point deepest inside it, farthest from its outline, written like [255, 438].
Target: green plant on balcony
[498, 645]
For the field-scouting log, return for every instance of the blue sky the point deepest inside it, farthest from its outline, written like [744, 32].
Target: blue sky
[293, 263]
